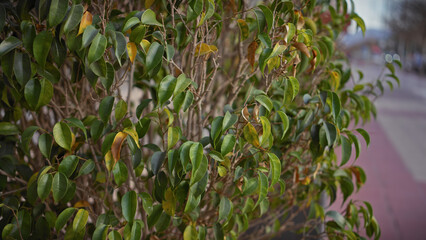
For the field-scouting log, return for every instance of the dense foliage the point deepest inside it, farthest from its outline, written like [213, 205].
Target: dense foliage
[173, 119]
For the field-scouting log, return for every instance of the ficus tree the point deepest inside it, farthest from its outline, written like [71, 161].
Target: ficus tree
[171, 119]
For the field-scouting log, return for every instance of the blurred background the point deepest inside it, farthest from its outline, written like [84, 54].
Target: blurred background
[395, 162]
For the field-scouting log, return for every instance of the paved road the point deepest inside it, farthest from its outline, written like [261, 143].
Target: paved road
[395, 162]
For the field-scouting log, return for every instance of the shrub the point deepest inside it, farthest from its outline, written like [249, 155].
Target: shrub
[194, 120]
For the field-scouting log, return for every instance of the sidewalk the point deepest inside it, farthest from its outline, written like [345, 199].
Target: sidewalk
[395, 162]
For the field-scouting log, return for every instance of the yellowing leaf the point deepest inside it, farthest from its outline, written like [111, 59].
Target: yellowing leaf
[169, 202]
[132, 132]
[148, 3]
[251, 135]
[131, 50]
[244, 29]
[116, 145]
[222, 171]
[203, 49]
[82, 203]
[145, 44]
[203, 17]
[109, 163]
[335, 79]
[85, 21]
[251, 53]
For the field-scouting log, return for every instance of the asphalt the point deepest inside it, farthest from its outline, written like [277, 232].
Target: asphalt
[395, 161]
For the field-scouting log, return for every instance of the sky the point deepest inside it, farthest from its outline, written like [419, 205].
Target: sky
[373, 12]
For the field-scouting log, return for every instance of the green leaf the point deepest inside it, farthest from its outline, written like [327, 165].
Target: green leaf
[129, 204]
[80, 220]
[365, 135]
[228, 121]
[218, 231]
[38, 93]
[149, 18]
[331, 133]
[170, 52]
[97, 49]
[192, 203]
[250, 134]
[294, 86]
[130, 23]
[100, 232]
[166, 88]
[263, 190]
[346, 150]
[359, 22]
[41, 47]
[44, 185]
[335, 105]
[114, 235]
[275, 168]
[27, 135]
[74, 122]
[120, 110]
[137, 34]
[266, 126]
[86, 168]
[199, 162]
[356, 143]
[181, 84]
[119, 46]
[7, 128]
[68, 165]
[337, 217]
[157, 160]
[57, 11]
[105, 108]
[190, 233]
[187, 102]
[9, 44]
[63, 218]
[173, 136]
[62, 135]
[268, 16]
[120, 173]
[88, 35]
[225, 208]
[285, 121]
[108, 80]
[21, 68]
[261, 20]
[228, 144]
[250, 186]
[216, 129]
[146, 202]
[45, 145]
[154, 56]
[59, 186]
[136, 233]
[74, 18]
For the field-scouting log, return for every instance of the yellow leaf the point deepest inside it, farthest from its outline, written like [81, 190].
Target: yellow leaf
[273, 63]
[169, 202]
[244, 30]
[132, 132]
[132, 51]
[116, 146]
[335, 79]
[203, 17]
[82, 203]
[203, 49]
[109, 163]
[145, 44]
[251, 135]
[222, 171]
[86, 20]
[148, 3]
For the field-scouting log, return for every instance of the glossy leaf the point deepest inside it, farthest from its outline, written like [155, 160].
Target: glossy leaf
[120, 173]
[88, 35]
[365, 135]
[63, 218]
[57, 11]
[275, 168]
[120, 110]
[105, 108]
[74, 17]
[9, 44]
[166, 88]
[190, 233]
[154, 56]
[44, 186]
[87, 167]
[59, 186]
[225, 208]
[63, 136]
[86, 20]
[228, 144]
[129, 204]
[149, 18]
[173, 135]
[68, 165]
[45, 144]
[41, 47]
[97, 48]
[116, 145]
[80, 220]
[346, 150]
[157, 160]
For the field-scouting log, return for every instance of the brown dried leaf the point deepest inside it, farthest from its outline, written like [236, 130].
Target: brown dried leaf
[245, 113]
[303, 48]
[116, 146]
[251, 53]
